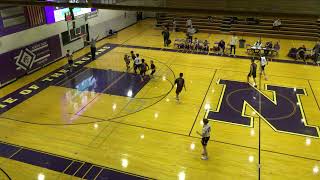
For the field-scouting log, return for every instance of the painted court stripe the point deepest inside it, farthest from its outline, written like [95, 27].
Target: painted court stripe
[71, 170]
[93, 173]
[42, 160]
[62, 164]
[7, 151]
[83, 170]
[11, 100]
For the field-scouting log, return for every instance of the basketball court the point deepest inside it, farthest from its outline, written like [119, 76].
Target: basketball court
[100, 121]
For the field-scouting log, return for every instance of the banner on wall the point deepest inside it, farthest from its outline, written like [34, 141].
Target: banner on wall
[56, 14]
[18, 62]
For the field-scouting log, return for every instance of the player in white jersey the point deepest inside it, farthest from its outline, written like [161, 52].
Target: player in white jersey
[263, 63]
[206, 129]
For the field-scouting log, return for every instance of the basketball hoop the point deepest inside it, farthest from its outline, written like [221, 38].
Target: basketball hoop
[77, 28]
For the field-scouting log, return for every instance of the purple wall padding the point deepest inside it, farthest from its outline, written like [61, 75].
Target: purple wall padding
[18, 62]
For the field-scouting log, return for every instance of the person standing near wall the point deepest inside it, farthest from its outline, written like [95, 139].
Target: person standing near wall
[174, 25]
[189, 22]
[166, 36]
[233, 43]
[190, 32]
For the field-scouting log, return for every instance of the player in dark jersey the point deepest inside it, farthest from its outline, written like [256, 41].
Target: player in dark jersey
[133, 56]
[180, 84]
[143, 69]
[253, 72]
[153, 68]
[127, 61]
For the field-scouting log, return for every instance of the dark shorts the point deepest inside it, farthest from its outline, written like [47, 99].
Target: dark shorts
[136, 66]
[204, 141]
[178, 90]
[254, 75]
[70, 62]
[262, 67]
[142, 72]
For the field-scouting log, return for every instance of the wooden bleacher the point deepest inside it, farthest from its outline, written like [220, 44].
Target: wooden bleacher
[290, 29]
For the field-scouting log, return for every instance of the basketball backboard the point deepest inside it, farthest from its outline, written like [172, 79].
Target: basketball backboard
[77, 27]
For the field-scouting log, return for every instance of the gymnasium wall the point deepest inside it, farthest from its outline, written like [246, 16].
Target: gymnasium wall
[110, 19]
[105, 19]
[13, 44]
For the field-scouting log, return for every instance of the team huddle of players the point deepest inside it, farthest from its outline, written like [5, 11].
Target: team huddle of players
[139, 64]
[143, 67]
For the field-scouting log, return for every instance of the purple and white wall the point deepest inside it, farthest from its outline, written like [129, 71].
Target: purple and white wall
[10, 44]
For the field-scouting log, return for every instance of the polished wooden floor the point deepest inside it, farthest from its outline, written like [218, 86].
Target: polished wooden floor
[154, 136]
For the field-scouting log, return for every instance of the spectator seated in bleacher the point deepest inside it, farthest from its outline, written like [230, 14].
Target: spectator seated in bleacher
[252, 21]
[293, 53]
[212, 19]
[196, 44]
[233, 20]
[206, 46]
[276, 24]
[316, 52]
[179, 43]
[258, 44]
[301, 53]
[276, 48]
[256, 48]
[268, 47]
[221, 47]
[189, 44]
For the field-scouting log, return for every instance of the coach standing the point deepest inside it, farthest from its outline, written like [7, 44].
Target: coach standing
[93, 47]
